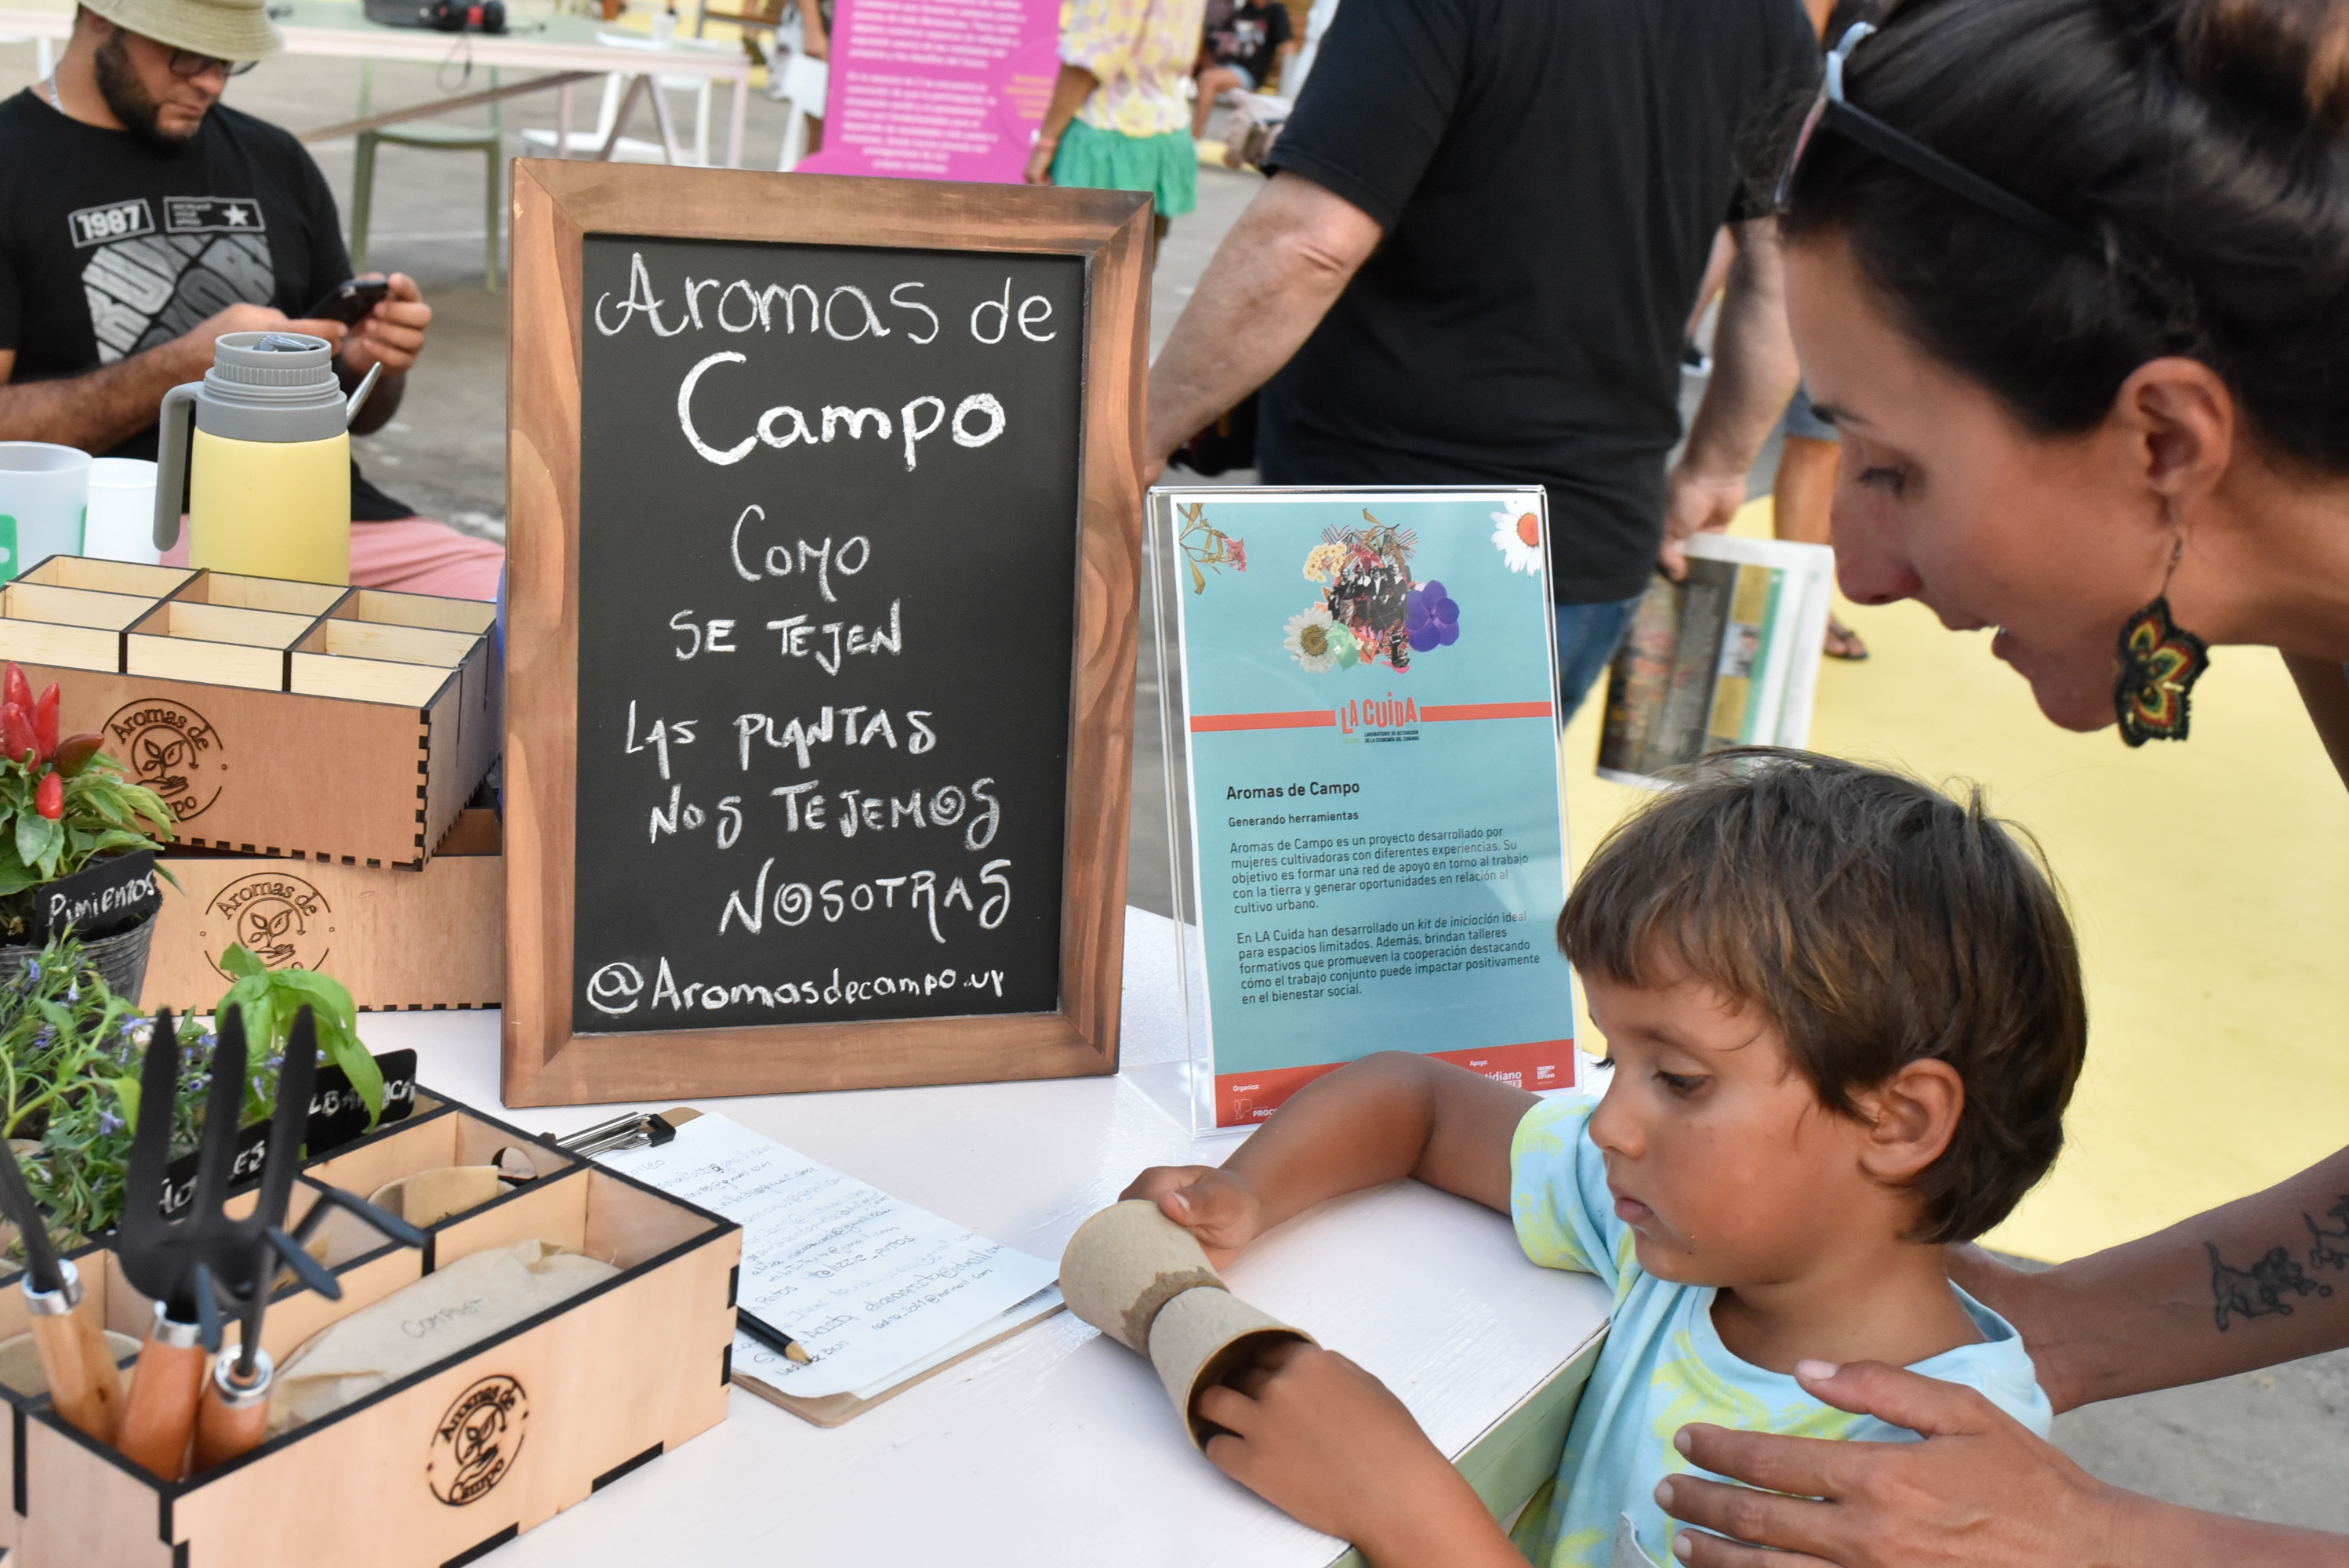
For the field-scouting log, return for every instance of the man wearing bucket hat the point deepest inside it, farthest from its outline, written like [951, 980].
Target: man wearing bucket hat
[142, 218]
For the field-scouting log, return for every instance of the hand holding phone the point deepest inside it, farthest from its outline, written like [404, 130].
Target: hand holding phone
[349, 302]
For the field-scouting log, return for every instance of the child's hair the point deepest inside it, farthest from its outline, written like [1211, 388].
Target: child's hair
[1877, 922]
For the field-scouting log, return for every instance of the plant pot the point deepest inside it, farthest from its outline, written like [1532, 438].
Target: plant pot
[120, 959]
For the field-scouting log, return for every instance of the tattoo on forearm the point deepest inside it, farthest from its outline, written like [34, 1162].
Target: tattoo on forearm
[2327, 1253]
[2259, 1290]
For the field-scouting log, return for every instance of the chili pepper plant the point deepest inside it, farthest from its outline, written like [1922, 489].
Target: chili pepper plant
[63, 802]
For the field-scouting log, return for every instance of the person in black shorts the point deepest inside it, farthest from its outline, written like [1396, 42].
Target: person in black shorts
[1244, 47]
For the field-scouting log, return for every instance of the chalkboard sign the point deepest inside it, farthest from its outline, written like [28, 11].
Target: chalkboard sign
[824, 537]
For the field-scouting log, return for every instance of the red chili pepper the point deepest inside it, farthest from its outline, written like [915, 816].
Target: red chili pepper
[49, 798]
[44, 722]
[17, 732]
[74, 752]
[17, 689]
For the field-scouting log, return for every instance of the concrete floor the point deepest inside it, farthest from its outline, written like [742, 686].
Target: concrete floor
[2271, 1444]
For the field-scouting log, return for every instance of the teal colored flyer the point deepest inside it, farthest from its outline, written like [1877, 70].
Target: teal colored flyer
[1379, 845]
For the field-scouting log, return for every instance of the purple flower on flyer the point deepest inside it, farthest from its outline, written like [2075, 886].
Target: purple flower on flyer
[1431, 617]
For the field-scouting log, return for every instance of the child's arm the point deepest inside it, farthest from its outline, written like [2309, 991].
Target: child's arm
[1310, 1432]
[1370, 1122]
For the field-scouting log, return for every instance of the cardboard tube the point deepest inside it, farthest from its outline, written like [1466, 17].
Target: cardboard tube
[1203, 1337]
[1126, 1263]
[430, 1196]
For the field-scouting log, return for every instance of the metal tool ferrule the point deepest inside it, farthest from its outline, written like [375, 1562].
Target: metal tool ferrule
[58, 1303]
[239, 1394]
[173, 1335]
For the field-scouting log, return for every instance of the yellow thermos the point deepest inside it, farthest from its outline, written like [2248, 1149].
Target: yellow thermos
[261, 446]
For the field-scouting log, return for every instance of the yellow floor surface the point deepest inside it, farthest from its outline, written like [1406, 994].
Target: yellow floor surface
[2209, 880]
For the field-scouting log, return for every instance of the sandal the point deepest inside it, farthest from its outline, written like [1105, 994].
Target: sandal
[1843, 642]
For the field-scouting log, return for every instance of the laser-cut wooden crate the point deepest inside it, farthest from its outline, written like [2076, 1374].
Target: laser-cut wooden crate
[274, 717]
[458, 1457]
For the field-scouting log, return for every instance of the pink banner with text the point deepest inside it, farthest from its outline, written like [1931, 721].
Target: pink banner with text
[937, 89]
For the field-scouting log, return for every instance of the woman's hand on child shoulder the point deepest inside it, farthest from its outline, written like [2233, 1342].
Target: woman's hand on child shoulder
[1218, 1207]
[1324, 1441]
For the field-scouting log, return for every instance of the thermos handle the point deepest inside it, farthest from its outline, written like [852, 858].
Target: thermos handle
[173, 422]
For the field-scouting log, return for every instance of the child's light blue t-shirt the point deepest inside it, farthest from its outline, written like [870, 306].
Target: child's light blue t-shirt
[1664, 1365]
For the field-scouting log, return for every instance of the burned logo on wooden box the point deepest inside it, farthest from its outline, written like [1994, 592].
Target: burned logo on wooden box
[173, 750]
[281, 918]
[477, 1442]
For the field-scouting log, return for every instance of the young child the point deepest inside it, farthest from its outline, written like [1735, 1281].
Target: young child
[1845, 1016]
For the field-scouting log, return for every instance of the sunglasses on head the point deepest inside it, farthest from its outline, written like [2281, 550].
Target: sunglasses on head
[1832, 110]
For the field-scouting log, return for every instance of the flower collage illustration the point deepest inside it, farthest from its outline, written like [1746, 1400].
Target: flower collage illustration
[1372, 609]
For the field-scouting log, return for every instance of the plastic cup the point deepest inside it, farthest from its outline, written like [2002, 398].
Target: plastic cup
[121, 522]
[44, 490]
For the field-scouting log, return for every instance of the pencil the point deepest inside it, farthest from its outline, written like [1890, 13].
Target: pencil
[768, 1335]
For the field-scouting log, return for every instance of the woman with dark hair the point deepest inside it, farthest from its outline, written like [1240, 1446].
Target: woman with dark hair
[2071, 277]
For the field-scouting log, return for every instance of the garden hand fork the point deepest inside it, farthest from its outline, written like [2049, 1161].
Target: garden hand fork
[194, 1266]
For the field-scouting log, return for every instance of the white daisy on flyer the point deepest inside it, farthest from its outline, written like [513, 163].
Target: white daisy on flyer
[1516, 534]
[1312, 640]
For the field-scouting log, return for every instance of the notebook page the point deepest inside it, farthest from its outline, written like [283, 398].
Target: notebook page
[868, 1285]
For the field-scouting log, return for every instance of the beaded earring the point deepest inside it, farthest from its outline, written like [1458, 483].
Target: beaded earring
[2160, 662]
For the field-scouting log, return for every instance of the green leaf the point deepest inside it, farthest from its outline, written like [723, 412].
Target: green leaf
[241, 961]
[257, 1003]
[37, 837]
[126, 1089]
[344, 1048]
[324, 992]
[336, 1017]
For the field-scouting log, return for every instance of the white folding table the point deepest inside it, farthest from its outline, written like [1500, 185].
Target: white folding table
[1058, 1446]
[567, 47]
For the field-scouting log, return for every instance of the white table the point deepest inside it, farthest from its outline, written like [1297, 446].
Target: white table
[338, 29]
[1057, 1447]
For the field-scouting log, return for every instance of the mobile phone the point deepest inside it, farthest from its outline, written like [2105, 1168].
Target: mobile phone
[349, 302]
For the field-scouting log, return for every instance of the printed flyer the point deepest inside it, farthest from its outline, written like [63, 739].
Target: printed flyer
[1379, 847]
[937, 89]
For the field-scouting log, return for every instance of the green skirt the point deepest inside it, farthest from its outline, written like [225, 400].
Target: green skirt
[1167, 166]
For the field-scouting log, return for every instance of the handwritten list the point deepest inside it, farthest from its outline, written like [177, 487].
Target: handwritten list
[868, 1285]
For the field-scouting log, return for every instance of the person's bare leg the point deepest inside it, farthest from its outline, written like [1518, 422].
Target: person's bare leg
[1213, 82]
[1800, 500]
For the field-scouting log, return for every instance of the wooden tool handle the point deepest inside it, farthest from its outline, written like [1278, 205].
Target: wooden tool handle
[161, 1410]
[231, 1416]
[83, 1382]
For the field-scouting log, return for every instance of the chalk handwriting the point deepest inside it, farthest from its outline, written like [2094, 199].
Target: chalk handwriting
[791, 904]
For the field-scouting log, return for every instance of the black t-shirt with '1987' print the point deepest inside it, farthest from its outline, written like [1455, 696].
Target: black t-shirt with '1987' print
[110, 247]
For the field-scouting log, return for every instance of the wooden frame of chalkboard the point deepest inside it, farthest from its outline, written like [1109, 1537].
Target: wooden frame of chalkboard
[595, 242]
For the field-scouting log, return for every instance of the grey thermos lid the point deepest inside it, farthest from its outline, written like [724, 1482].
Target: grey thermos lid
[272, 387]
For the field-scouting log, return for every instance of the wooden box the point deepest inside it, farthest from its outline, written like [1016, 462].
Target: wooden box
[397, 937]
[584, 1392]
[299, 719]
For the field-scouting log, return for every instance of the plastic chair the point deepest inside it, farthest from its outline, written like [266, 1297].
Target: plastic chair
[763, 16]
[802, 85]
[491, 142]
[630, 149]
